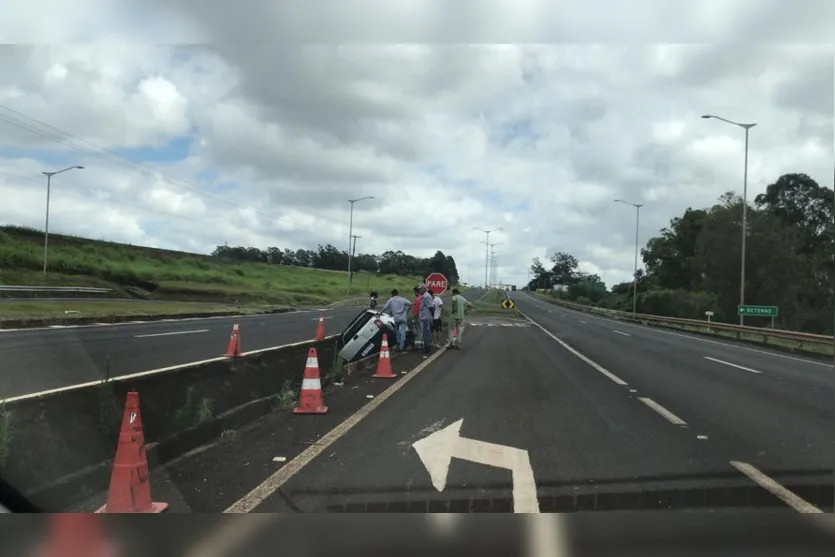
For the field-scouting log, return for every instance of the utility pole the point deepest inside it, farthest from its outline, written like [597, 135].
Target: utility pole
[353, 250]
[351, 235]
[635, 267]
[493, 263]
[49, 176]
[747, 128]
[486, 251]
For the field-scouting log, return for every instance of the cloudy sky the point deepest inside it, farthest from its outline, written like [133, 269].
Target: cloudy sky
[262, 143]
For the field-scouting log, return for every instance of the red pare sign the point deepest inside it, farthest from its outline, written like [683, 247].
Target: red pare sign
[436, 283]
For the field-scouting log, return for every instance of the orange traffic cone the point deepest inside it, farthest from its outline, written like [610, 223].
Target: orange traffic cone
[76, 535]
[310, 398]
[130, 482]
[320, 328]
[234, 348]
[384, 363]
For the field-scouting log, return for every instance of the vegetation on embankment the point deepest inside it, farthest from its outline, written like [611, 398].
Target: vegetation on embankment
[157, 274]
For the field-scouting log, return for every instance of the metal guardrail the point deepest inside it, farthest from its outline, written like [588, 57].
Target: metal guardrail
[75, 289]
[739, 330]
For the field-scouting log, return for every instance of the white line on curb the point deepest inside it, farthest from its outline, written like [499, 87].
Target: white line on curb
[172, 333]
[151, 372]
[775, 488]
[251, 500]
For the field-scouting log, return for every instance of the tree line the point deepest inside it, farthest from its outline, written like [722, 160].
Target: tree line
[694, 264]
[329, 257]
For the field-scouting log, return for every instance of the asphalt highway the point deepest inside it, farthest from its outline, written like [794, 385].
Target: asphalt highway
[599, 420]
[773, 408]
[36, 360]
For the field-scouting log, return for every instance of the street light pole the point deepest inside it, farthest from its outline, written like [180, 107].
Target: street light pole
[486, 251]
[49, 176]
[635, 266]
[351, 235]
[747, 128]
[493, 263]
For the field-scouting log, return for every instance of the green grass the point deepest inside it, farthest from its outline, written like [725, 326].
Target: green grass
[491, 304]
[142, 272]
[69, 309]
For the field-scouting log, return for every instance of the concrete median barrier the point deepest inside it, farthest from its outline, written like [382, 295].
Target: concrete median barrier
[62, 444]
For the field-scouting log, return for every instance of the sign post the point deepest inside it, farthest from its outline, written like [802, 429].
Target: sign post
[436, 283]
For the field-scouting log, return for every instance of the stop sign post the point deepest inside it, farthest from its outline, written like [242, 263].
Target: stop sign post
[436, 283]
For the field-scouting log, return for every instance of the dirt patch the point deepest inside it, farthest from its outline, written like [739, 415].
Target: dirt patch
[212, 477]
[62, 444]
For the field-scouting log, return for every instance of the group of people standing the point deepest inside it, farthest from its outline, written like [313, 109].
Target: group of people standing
[424, 316]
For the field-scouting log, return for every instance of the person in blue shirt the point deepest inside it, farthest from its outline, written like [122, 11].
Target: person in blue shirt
[426, 316]
[398, 307]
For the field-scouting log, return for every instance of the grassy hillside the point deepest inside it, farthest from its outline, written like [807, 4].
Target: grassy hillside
[142, 272]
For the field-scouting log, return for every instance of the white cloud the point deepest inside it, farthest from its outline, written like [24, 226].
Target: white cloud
[266, 142]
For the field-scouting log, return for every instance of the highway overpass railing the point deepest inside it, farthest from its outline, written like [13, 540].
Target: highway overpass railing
[823, 344]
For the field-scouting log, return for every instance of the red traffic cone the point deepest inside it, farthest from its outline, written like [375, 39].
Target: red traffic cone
[76, 535]
[130, 482]
[384, 363]
[310, 398]
[234, 348]
[320, 328]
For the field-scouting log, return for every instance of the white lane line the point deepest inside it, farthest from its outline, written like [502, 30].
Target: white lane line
[669, 416]
[593, 364]
[154, 371]
[172, 333]
[775, 488]
[732, 365]
[583, 322]
[711, 341]
[122, 323]
[251, 500]
[621, 333]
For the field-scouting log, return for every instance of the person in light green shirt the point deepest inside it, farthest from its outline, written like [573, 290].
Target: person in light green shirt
[459, 308]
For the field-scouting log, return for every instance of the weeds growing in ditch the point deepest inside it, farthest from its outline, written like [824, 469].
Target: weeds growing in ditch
[6, 432]
[190, 415]
[286, 396]
[337, 371]
[108, 413]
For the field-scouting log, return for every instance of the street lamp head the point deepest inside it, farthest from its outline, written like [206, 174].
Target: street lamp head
[79, 167]
[706, 116]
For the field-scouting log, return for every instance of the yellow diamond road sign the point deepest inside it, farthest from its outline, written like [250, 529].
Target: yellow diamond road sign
[507, 304]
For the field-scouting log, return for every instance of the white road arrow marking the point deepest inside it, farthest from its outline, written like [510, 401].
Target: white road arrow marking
[437, 450]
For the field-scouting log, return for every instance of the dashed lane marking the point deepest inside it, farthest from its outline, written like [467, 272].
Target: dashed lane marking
[666, 414]
[732, 365]
[617, 380]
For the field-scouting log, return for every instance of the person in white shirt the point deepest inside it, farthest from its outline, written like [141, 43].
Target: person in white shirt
[437, 319]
